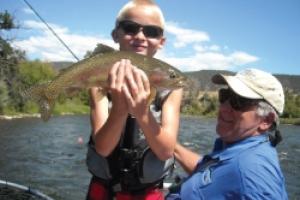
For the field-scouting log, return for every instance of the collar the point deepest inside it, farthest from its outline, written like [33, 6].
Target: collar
[222, 152]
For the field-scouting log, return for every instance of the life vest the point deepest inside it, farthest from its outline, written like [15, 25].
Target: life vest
[132, 166]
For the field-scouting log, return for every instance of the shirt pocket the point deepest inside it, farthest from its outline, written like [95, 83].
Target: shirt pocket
[192, 188]
[203, 178]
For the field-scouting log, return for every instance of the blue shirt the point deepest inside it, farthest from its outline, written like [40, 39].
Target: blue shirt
[248, 169]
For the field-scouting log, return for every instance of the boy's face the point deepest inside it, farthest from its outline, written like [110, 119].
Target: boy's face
[139, 42]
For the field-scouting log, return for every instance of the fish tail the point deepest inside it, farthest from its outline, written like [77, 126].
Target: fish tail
[39, 95]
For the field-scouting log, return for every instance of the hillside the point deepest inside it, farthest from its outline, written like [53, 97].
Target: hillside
[61, 65]
[203, 80]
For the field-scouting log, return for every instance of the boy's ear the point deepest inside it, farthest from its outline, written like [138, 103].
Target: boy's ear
[114, 35]
[162, 42]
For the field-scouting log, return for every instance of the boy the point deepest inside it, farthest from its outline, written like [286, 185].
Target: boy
[132, 145]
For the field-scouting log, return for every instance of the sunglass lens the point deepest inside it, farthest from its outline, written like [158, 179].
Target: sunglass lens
[152, 31]
[130, 27]
[240, 103]
[235, 103]
[224, 95]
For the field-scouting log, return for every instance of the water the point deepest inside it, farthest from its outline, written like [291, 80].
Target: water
[51, 158]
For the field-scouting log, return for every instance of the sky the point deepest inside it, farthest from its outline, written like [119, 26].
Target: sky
[201, 34]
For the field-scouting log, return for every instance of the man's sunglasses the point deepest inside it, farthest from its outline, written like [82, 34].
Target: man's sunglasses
[132, 28]
[236, 102]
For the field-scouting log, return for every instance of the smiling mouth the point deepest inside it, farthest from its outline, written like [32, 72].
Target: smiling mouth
[139, 47]
[222, 119]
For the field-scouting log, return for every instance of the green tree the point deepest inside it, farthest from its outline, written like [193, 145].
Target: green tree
[292, 105]
[3, 96]
[9, 72]
[35, 72]
[6, 21]
[205, 105]
[209, 105]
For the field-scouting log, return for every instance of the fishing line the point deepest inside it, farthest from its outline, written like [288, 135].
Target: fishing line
[52, 31]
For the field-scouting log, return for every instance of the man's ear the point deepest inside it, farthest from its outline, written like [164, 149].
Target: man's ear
[114, 36]
[267, 122]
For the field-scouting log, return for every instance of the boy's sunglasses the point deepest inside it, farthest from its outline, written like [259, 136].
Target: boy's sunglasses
[236, 102]
[132, 28]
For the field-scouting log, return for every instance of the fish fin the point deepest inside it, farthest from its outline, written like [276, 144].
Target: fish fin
[38, 95]
[46, 108]
[151, 96]
[101, 92]
[72, 91]
[102, 49]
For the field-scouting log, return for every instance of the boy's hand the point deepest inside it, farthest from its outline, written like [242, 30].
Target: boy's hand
[137, 91]
[116, 80]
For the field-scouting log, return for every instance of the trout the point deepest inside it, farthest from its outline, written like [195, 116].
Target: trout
[93, 72]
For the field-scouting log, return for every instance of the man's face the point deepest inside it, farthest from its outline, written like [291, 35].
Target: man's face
[233, 124]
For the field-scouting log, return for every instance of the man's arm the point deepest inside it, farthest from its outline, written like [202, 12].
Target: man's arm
[186, 158]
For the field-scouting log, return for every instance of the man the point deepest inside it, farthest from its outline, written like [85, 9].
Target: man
[244, 162]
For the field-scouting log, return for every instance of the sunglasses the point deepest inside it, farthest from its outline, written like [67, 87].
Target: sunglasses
[236, 102]
[132, 28]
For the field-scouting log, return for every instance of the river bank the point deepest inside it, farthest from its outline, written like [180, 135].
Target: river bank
[288, 121]
[10, 117]
[24, 115]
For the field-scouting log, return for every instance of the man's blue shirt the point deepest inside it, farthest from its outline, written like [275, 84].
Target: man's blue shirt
[248, 169]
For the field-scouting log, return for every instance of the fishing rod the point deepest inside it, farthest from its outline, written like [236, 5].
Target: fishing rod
[52, 31]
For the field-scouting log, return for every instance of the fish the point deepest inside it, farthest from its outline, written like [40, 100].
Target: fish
[93, 72]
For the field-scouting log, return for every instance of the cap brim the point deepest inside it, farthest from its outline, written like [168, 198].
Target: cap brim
[238, 86]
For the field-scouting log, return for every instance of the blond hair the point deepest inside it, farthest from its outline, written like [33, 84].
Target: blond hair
[141, 3]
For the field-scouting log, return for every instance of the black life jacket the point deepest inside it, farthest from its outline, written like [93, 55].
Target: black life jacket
[132, 166]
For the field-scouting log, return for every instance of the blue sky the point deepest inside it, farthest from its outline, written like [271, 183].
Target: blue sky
[201, 34]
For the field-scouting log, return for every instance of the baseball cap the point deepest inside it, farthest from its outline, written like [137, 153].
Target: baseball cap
[255, 84]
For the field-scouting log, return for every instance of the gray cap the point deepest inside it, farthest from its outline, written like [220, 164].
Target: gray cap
[255, 84]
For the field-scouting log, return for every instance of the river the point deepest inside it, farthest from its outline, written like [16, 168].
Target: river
[50, 156]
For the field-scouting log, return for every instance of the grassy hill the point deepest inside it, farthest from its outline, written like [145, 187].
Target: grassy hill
[203, 80]
[61, 65]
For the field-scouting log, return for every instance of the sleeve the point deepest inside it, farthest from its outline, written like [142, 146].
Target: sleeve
[261, 180]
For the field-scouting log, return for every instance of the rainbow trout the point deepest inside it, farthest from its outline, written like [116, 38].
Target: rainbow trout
[93, 72]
